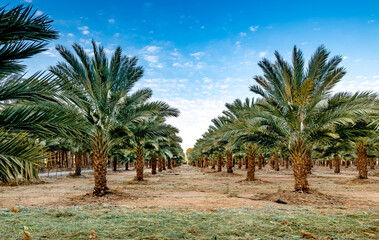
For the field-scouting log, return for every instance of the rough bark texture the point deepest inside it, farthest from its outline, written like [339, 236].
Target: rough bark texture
[169, 164]
[153, 164]
[78, 163]
[337, 164]
[362, 160]
[276, 161]
[229, 161]
[219, 162]
[330, 162]
[260, 162]
[246, 162]
[251, 164]
[206, 161]
[160, 167]
[299, 159]
[213, 162]
[138, 151]
[100, 158]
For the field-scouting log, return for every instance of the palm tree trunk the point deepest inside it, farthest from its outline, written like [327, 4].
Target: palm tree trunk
[309, 163]
[246, 162]
[206, 161]
[78, 163]
[260, 162]
[160, 167]
[169, 164]
[330, 162]
[229, 163]
[213, 162]
[276, 161]
[153, 164]
[287, 162]
[372, 161]
[138, 151]
[219, 162]
[127, 166]
[114, 161]
[239, 163]
[362, 160]
[299, 159]
[163, 163]
[251, 164]
[337, 164]
[100, 158]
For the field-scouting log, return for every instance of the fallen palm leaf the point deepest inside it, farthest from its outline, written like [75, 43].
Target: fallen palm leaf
[14, 209]
[369, 234]
[92, 234]
[26, 236]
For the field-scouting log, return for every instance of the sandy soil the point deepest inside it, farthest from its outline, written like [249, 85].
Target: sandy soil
[194, 188]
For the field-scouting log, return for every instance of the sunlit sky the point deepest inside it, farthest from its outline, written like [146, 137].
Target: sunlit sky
[198, 55]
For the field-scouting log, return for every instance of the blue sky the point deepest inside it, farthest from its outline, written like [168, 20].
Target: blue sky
[198, 55]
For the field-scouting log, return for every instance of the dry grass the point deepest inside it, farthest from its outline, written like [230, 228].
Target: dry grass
[113, 222]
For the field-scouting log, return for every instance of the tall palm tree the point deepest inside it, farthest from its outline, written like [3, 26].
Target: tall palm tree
[101, 92]
[299, 108]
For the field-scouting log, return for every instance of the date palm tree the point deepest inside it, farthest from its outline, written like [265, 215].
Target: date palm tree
[299, 107]
[29, 107]
[101, 92]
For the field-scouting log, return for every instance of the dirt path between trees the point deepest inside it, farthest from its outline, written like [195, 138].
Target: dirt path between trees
[193, 188]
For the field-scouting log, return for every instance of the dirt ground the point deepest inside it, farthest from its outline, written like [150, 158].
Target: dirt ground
[194, 188]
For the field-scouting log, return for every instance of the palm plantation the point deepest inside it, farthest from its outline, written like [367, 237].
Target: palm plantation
[295, 140]
[298, 110]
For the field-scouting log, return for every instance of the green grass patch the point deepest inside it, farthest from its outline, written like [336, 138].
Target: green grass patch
[142, 223]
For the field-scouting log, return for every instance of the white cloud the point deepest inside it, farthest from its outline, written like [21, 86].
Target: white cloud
[253, 28]
[28, 1]
[304, 43]
[202, 27]
[39, 13]
[70, 34]
[262, 54]
[197, 55]
[207, 80]
[152, 49]
[111, 20]
[376, 76]
[242, 34]
[84, 30]
[361, 77]
[117, 34]
[51, 52]
[195, 117]
[153, 61]
[108, 51]
[371, 21]
[345, 57]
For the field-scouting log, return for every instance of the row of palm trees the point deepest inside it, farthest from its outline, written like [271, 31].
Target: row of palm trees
[85, 103]
[297, 116]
